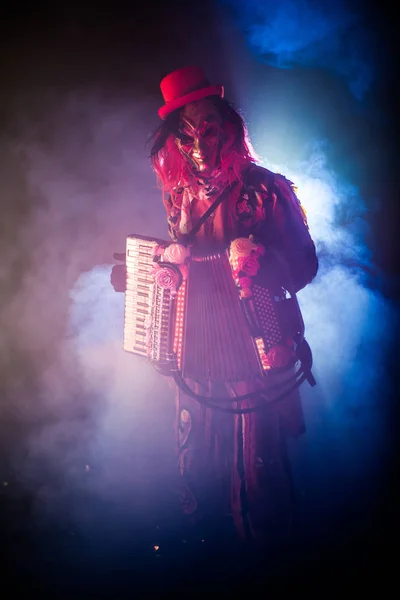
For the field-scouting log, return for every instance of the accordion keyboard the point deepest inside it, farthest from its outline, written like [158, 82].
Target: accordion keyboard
[204, 328]
[139, 294]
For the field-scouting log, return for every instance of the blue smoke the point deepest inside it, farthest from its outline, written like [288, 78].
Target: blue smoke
[122, 454]
[304, 33]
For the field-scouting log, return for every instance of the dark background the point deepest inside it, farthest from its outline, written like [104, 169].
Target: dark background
[106, 56]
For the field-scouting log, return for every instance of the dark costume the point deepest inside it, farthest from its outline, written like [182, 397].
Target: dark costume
[245, 453]
[230, 463]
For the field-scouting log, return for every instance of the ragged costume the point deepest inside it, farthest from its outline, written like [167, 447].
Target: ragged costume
[221, 205]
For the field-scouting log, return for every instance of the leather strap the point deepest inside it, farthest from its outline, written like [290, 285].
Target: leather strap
[210, 210]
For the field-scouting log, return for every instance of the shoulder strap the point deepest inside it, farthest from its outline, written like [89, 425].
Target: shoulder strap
[209, 210]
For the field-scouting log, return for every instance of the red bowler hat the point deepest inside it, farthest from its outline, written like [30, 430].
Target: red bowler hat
[184, 86]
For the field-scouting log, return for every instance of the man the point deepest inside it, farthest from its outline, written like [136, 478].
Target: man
[229, 463]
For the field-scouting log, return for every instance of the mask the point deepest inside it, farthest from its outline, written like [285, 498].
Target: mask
[199, 138]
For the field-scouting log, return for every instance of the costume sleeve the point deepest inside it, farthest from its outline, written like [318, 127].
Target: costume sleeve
[284, 227]
[291, 233]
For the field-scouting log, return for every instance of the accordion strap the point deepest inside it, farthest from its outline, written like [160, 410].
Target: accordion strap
[210, 210]
[218, 201]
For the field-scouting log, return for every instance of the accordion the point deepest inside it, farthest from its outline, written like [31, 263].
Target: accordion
[218, 316]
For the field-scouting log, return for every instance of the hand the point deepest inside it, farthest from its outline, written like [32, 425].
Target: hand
[118, 274]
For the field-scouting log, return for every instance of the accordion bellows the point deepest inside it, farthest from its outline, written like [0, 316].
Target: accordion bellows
[217, 345]
[203, 328]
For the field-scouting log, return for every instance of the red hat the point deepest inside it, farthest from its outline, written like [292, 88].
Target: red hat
[184, 86]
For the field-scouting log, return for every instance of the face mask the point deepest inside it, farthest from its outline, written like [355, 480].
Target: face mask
[200, 144]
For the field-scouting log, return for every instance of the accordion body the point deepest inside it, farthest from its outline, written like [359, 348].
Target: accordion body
[204, 328]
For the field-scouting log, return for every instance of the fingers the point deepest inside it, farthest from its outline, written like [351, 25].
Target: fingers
[118, 278]
[119, 256]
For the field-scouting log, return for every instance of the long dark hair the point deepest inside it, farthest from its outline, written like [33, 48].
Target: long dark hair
[172, 169]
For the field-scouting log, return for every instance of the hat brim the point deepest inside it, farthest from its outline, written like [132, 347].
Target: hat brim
[169, 107]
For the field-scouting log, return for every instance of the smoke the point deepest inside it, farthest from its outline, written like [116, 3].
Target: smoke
[98, 423]
[87, 416]
[307, 33]
[349, 326]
